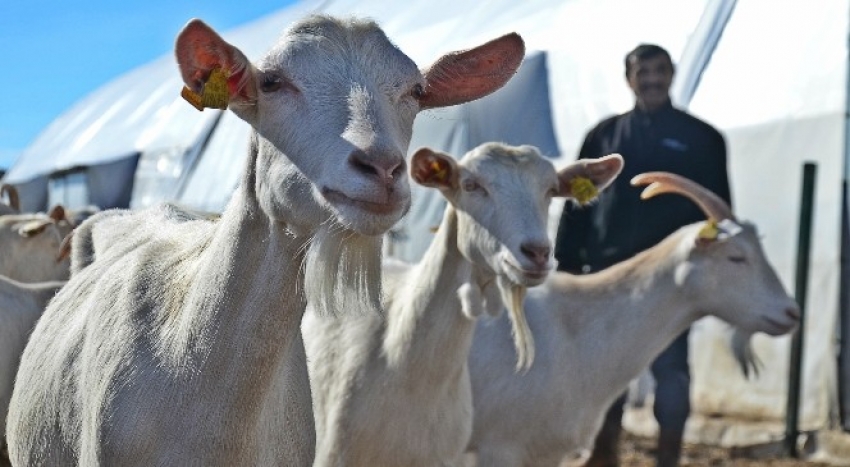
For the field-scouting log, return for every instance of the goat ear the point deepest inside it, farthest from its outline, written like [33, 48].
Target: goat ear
[464, 76]
[434, 169]
[713, 232]
[33, 228]
[65, 247]
[708, 235]
[215, 72]
[585, 178]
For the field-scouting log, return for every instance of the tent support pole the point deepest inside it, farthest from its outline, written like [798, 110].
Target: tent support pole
[792, 408]
[843, 370]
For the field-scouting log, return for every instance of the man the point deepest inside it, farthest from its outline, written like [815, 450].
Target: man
[652, 136]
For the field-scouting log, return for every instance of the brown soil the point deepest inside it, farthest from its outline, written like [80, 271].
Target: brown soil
[636, 451]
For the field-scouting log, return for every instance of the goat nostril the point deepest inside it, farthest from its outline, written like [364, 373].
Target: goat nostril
[397, 170]
[793, 312]
[537, 253]
[384, 167]
[357, 159]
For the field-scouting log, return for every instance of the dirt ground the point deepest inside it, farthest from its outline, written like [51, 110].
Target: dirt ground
[637, 452]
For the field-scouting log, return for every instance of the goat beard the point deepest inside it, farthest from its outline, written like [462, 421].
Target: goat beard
[342, 271]
[748, 362]
[513, 296]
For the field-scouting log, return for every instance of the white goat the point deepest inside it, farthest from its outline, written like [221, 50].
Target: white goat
[20, 306]
[394, 389]
[180, 344]
[30, 246]
[597, 332]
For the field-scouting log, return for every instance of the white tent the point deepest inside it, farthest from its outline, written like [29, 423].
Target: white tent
[771, 74]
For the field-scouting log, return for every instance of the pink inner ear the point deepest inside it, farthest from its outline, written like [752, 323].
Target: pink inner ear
[199, 50]
[468, 75]
[438, 171]
[421, 172]
[428, 169]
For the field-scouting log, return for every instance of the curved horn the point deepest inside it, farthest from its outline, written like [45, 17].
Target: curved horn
[65, 247]
[12, 193]
[664, 182]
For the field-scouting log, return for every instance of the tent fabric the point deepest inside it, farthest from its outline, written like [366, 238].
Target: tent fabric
[144, 107]
[217, 170]
[101, 188]
[138, 112]
[778, 97]
[133, 114]
[33, 193]
[780, 100]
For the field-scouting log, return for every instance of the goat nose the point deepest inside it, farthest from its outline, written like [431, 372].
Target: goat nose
[538, 253]
[793, 312]
[384, 166]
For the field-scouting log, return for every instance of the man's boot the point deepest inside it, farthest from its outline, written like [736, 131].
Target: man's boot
[669, 449]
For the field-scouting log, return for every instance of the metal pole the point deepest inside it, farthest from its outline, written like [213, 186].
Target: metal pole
[792, 408]
[844, 284]
[844, 315]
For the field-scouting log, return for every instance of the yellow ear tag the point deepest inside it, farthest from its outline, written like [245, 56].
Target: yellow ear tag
[438, 171]
[583, 190]
[709, 231]
[214, 94]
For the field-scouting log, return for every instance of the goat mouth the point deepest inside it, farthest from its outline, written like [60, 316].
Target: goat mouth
[393, 205]
[778, 327]
[524, 276]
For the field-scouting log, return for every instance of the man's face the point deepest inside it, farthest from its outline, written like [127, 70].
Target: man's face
[650, 80]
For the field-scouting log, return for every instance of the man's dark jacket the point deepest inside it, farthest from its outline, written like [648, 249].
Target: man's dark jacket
[620, 224]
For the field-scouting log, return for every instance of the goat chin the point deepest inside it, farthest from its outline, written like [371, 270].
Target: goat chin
[342, 271]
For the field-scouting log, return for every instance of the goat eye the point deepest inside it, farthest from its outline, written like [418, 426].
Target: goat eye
[471, 185]
[417, 92]
[271, 83]
[738, 259]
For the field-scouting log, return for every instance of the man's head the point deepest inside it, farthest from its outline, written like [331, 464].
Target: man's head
[649, 72]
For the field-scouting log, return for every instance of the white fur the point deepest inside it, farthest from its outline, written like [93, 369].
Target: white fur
[176, 341]
[30, 247]
[21, 305]
[597, 332]
[393, 390]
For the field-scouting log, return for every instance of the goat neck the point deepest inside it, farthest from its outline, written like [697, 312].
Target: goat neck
[425, 320]
[642, 296]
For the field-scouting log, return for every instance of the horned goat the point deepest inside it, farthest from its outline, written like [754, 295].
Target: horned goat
[31, 243]
[597, 332]
[181, 344]
[393, 389]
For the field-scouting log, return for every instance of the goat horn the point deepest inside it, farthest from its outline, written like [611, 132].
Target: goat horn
[664, 182]
[12, 193]
[65, 247]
